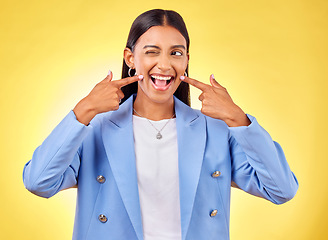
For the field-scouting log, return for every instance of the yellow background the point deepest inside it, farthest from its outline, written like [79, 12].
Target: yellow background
[270, 55]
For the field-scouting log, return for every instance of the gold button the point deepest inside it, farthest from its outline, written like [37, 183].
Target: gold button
[101, 179]
[216, 174]
[214, 212]
[102, 218]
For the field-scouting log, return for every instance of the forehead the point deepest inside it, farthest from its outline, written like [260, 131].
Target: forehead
[161, 36]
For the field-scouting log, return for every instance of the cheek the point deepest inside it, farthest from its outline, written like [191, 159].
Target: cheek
[143, 65]
[181, 66]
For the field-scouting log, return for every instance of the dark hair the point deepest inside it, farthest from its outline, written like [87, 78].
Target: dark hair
[155, 17]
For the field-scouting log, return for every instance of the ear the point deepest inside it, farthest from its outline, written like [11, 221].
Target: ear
[128, 57]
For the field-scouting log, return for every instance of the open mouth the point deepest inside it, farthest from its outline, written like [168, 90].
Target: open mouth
[161, 82]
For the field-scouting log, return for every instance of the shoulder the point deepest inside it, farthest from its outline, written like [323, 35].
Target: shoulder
[210, 122]
[100, 118]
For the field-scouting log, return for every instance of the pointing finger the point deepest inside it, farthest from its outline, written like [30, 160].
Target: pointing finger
[126, 81]
[195, 83]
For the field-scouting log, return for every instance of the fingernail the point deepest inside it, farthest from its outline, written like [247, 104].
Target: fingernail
[140, 77]
[182, 77]
[109, 72]
[213, 76]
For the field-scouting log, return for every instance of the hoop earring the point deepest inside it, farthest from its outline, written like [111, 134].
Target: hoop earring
[186, 74]
[129, 72]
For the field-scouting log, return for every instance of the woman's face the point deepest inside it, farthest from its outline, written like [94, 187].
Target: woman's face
[160, 55]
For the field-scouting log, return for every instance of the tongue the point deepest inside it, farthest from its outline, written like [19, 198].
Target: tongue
[160, 83]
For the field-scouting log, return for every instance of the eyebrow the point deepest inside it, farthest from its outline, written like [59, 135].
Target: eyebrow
[154, 46]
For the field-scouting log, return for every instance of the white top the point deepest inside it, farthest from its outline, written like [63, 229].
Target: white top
[158, 178]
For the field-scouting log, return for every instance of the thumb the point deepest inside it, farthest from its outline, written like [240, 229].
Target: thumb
[109, 76]
[214, 83]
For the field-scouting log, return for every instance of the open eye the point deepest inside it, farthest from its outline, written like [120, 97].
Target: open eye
[177, 53]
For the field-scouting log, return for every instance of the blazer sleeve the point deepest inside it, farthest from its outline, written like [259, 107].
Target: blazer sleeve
[259, 166]
[55, 163]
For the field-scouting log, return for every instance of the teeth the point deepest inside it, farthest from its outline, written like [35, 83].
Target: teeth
[161, 78]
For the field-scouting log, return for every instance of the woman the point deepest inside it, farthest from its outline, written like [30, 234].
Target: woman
[146, 165]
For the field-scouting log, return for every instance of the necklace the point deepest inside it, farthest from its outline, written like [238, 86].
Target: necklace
[158, 135]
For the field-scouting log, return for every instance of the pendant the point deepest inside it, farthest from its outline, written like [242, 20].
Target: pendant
[159, 135]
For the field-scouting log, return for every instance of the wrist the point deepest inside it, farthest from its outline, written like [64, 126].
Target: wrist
[84, 111]
[237, 118]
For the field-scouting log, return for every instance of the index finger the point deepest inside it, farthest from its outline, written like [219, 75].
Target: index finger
[126, 81]
[195, 83]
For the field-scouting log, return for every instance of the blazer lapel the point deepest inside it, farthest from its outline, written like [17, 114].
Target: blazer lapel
[191, 132]
[119, 145]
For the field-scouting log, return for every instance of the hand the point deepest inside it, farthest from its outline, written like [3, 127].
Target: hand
[217, 103]
[104, 97]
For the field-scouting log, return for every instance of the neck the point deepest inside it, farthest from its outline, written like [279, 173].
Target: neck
[153, 110]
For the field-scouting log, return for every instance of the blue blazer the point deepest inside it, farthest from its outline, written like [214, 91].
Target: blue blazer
[100, 160]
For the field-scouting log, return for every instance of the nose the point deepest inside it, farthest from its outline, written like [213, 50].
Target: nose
[164, 63]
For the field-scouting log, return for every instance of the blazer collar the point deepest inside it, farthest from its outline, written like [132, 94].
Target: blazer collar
[119, 145]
